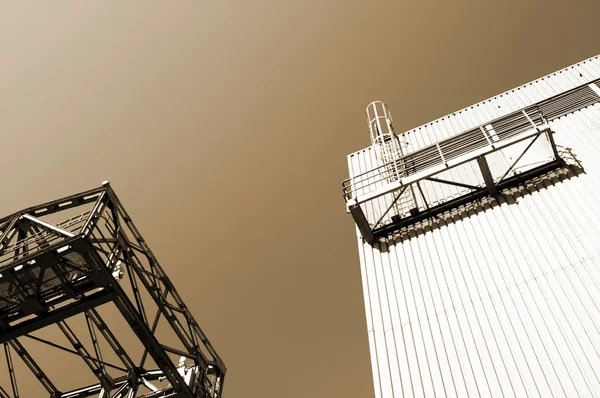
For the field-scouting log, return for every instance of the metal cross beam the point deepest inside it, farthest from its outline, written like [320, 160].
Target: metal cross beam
[371, 229]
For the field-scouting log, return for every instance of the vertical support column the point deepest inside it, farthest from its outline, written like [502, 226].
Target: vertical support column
[487, 175]
[550, 135]
[485, 135]
[11, 371]
[362, 223]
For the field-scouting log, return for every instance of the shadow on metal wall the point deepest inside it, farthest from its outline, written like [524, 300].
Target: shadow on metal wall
[570, 167]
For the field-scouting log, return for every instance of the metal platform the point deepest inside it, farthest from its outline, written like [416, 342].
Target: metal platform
[408, 189]
[54, 271]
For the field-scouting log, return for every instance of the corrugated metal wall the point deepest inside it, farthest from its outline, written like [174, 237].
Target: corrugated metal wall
[502, 300]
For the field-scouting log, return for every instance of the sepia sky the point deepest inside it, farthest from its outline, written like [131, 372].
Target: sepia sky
[224, 126]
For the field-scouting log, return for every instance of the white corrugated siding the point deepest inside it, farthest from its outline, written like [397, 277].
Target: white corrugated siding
[505, 302]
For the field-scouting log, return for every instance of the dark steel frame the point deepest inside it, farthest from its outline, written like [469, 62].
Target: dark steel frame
[51, 272]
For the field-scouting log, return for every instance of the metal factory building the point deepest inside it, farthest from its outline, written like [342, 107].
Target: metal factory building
[479, 244]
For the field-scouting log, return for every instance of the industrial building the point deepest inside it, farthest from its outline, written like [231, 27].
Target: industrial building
[479, 244]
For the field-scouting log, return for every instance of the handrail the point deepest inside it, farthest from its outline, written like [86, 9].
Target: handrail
[505, 127]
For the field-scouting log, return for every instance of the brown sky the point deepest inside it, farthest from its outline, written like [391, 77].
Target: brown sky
[224, 128]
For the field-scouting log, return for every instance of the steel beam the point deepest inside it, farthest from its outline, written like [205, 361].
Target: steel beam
[463, 200]
[55, 316]
[47, 226]
[362, 223]
[455, 183]
[35, 369]
[487, 175]
[11, 371]
[107, 236]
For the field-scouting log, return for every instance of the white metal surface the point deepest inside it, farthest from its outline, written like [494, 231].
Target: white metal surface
[503, 302]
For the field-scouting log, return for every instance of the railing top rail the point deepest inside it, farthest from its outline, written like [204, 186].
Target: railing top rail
[531, 116]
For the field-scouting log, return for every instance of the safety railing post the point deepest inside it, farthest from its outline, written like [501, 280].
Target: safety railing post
[441, 154]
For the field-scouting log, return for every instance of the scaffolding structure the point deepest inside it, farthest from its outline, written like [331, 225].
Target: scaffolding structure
[59, 277]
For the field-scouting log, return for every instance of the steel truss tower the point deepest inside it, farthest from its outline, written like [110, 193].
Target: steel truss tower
[62, 264]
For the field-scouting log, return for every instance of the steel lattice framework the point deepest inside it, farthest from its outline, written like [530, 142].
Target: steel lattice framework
[58, 278]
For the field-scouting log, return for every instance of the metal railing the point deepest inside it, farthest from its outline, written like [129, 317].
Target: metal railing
[490, 134]
[442, 152]
[40, 240]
